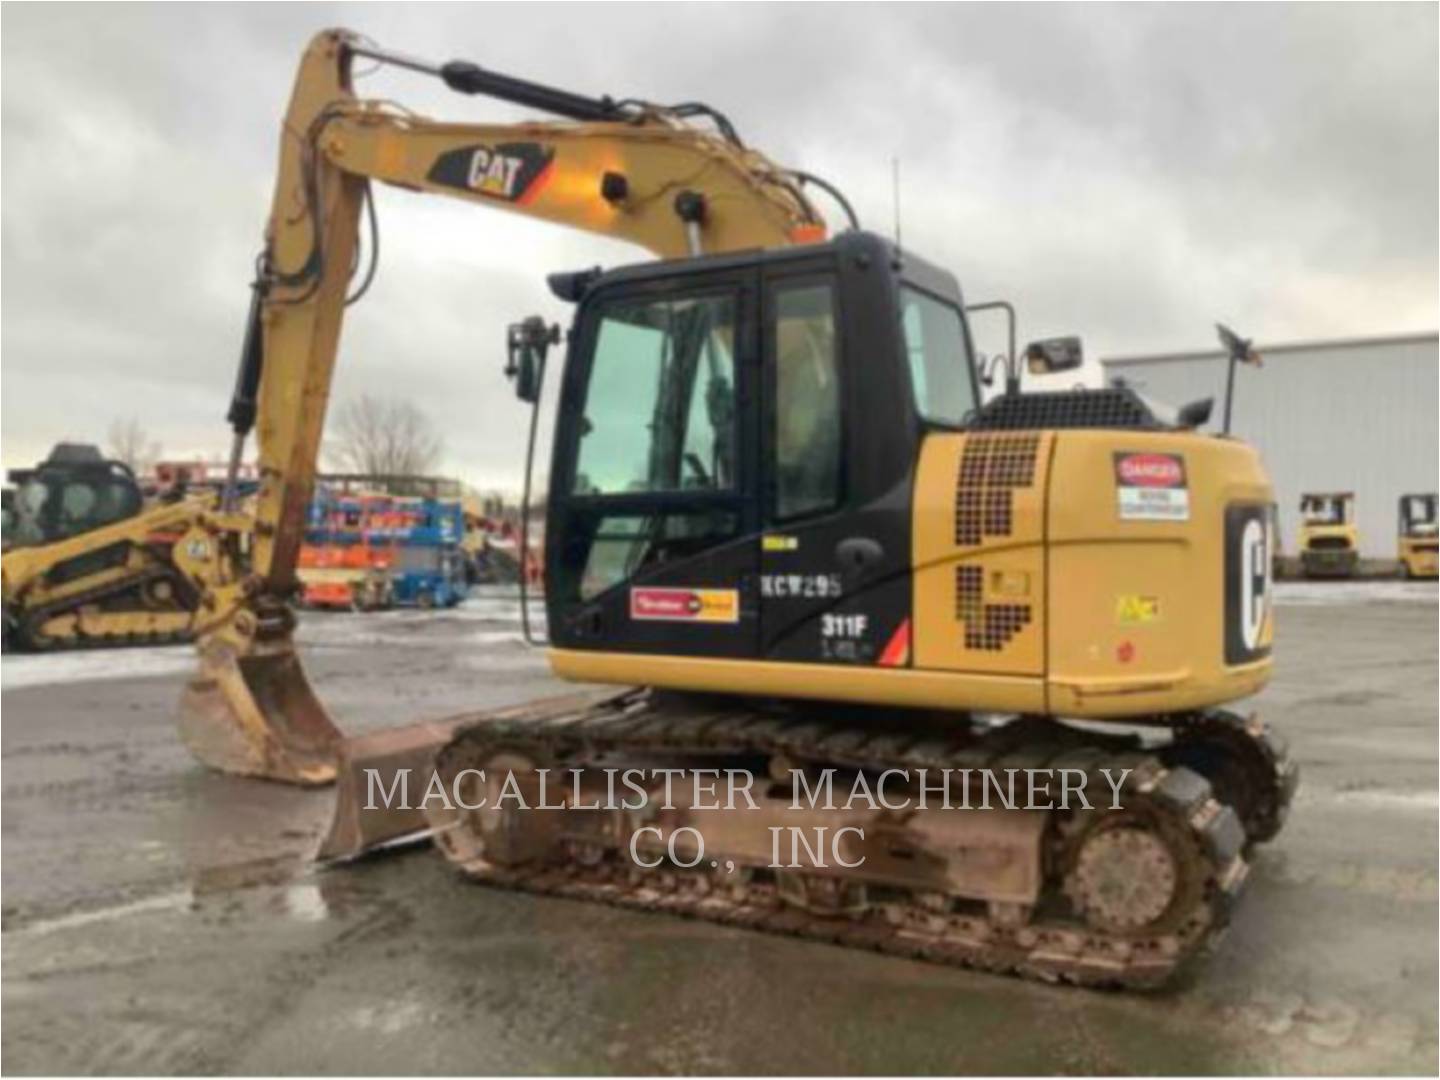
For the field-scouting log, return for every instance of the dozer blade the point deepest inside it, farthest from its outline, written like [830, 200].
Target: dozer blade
[380, 786]
[384, 777]
[256, 715]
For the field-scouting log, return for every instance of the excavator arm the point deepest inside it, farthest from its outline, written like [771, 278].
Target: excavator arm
[630, 170]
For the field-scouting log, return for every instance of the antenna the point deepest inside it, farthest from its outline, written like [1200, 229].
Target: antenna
[895, 185]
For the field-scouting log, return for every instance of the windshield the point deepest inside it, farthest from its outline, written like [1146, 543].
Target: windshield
[1418, 512]
[659, 406]
[939, 353]
[1323, 510]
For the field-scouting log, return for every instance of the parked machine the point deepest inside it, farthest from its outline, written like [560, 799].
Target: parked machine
[86, 563]
[777, 506]
[1329, 541]
[7, 517]
[349, 559]
[353, 577]
[1417, 541]
[430, 570]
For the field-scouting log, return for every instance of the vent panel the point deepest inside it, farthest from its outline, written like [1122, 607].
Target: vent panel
[988, 627]
[1112, 407]
[991, 468]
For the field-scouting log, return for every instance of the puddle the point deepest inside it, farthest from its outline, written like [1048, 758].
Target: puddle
[306, 901]
[19, 672]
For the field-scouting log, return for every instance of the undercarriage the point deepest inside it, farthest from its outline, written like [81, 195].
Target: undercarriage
[902, 834]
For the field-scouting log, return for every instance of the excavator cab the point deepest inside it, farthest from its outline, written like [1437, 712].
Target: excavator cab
[1329, 541]
[734, 438]
[7, 517]
[1417, 540]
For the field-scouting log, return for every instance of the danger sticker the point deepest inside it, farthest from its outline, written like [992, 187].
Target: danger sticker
[1151, 487]
[685, 605]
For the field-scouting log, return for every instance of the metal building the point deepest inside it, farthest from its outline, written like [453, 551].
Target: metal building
[1357, 415]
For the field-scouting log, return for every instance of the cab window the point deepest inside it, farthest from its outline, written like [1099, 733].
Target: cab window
[659, 409]
[938, 350]
[807, 418]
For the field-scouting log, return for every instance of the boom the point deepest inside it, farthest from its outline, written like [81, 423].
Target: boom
[630, 170]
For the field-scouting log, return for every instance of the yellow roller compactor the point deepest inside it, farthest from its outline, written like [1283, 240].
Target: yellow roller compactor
[782, 525]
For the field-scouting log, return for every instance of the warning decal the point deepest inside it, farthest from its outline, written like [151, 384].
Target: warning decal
[1136, 610]
[685, 605]
[1151, 487]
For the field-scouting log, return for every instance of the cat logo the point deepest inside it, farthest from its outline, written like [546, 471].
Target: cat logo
[514, 172]
[493, 173]
[1249, 590]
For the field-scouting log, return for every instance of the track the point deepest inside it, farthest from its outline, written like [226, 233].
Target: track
[1087, 926]
[30, 635]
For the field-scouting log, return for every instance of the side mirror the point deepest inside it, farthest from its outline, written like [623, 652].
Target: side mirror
[1053, 355]
[526, 345]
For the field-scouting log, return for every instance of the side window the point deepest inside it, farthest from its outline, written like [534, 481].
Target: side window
[659, 410]
[807, 400]
[939, 353]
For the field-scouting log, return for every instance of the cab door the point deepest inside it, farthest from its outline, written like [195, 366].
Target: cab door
[652, 518]
[834, 562]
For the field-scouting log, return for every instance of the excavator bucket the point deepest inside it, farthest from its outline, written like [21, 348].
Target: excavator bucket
[256, 715]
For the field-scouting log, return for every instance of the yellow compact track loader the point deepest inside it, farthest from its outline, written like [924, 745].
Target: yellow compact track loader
[783, 526]
[86, 563]
[1418, 538]
[1329, 541]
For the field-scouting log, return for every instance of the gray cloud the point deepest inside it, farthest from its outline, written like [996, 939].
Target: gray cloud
[1129, 173]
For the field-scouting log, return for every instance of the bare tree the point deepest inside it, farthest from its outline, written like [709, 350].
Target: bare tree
[131, 445]
[386, 437]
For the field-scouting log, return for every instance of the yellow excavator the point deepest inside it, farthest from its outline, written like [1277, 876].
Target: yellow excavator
[86, 563]
[783, 527]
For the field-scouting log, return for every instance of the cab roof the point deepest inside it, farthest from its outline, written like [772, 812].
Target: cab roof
[852, 244]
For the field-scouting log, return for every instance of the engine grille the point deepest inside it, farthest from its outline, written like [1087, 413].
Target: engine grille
[991, 467]
[1111, 407]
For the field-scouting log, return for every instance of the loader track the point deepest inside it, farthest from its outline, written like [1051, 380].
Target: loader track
[1185, 828]
[30, 636]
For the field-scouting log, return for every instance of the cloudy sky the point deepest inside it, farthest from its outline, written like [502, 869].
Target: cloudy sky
[1127, 173]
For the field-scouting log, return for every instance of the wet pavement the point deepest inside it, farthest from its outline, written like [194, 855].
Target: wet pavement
[159, 918]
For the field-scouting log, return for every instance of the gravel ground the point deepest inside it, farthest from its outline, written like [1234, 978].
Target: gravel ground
[161, 919]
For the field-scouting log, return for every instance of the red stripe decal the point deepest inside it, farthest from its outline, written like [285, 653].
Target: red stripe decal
[897, 650]
[531, 193]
